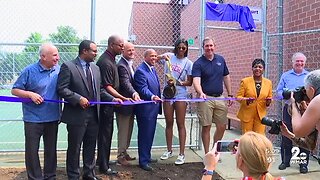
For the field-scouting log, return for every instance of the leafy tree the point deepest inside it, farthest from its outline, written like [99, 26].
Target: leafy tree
[66, 35]
[11, 64]
[30, 53]
[33, 38]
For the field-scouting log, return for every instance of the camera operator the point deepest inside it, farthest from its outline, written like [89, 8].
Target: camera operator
[289, 81]
[308, 142]
[305, 124]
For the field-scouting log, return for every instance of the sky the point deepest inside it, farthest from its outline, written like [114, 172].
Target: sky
[21, 18]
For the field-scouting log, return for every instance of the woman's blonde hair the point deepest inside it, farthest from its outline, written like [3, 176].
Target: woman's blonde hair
[256, 151]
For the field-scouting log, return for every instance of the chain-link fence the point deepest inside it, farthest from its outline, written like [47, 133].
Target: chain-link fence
[158, 26]
[152, 25]
[294, 28]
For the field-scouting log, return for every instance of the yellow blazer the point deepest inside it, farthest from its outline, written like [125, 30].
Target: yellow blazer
[247, 89]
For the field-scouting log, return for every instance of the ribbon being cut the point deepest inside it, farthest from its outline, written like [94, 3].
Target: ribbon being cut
[27, 100]
[231, 12]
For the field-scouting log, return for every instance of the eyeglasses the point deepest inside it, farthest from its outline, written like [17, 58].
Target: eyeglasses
[120, 45]
[182, 48]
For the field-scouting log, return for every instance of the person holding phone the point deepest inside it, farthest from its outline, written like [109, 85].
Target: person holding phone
[251, 145]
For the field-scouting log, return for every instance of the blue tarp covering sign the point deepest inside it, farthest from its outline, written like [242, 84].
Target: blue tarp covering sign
[230, 12]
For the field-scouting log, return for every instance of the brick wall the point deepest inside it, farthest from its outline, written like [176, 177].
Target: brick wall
[238, 47]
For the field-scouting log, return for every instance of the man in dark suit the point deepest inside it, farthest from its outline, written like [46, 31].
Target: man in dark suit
[124, 114]
[78, 83]
[148, 87]
[110, 82]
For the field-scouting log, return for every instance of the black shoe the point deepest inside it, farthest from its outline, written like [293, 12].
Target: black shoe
[303, 169]
[108, 172]
[91, 178]
[153, 160]
[283, 166]
[146, 167]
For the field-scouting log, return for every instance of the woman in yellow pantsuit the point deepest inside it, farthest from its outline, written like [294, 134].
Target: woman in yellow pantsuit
[259, 89]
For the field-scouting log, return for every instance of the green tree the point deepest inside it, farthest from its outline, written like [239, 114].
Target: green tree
[66, 35]
[11, 64]
[33, 38]
[30, 53]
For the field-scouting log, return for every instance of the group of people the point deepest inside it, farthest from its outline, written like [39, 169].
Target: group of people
[253, 155]
[258, 93]
[82, 83]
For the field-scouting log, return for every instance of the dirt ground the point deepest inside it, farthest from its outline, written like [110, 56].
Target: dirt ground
[186, 171]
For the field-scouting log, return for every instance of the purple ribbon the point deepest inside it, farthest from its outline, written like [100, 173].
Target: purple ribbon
[126, 103]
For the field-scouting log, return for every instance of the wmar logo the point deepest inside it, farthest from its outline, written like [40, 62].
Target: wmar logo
[297, 157]
[219, 63]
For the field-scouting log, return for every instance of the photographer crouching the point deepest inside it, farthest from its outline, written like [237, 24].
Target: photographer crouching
[310, 120]
[289, 81]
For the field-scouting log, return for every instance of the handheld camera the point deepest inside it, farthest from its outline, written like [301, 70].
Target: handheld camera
[299, 94]
[274, 124]
[227, 146]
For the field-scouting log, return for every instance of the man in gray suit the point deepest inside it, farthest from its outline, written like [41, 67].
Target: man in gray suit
[79, 84]
[124, 114]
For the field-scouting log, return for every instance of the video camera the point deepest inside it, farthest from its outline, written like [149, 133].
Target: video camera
[274, 124]
[299, 94]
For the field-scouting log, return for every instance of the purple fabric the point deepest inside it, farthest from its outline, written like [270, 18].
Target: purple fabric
[230, 12]
[26, 100]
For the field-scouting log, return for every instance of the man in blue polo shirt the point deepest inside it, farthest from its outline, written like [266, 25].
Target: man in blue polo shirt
[38, 82]
[209, 73]
[290, 80]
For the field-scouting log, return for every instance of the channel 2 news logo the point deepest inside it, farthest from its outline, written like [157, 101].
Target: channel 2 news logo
[297, 157]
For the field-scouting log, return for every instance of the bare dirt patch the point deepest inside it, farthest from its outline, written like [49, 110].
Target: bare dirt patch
[186, 171]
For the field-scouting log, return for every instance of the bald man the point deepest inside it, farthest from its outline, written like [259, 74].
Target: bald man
[38, 81]
[110, 82]
[124, 114]
[147, 85]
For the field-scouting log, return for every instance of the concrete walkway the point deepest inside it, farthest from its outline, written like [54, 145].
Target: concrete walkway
[227, 168]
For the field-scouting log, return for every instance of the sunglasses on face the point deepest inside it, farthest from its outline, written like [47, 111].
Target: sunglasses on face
[120, 45]
[182, 48]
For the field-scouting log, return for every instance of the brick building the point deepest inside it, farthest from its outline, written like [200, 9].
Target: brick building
[155, 24]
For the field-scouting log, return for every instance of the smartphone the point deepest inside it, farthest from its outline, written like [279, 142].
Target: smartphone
[227, 146]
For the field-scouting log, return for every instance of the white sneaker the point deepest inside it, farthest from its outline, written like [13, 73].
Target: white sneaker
[180, 160]
[166, 155]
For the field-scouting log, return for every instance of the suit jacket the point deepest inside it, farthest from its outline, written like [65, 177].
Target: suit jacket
[72, 84]
[248, 89]
[147, 85]
[126, 85]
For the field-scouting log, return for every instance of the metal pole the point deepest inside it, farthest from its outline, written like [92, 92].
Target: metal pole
[264, 35]
[280, 37]
[280, 50]
[93, 20]
[202, 24]
[202, 32]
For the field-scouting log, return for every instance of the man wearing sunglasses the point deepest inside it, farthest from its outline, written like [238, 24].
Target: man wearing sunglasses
[110, 82]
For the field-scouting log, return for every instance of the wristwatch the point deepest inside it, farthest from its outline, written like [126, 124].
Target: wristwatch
[208, 172]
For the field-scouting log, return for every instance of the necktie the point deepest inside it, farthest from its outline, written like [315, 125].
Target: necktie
[89, 80]
[132, 70]
[154, 72]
